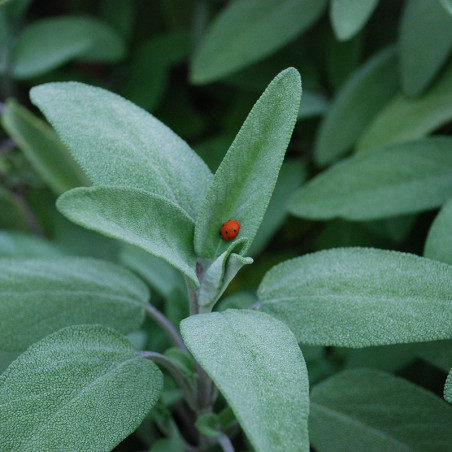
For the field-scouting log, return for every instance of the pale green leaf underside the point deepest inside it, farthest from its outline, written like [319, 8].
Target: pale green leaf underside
[257, 365]
[137, 217]
[371, 410]
[359, 297]
[367, 91]
[349, 16]
[41, 295]
[43, 149]
[49, 43]
[82, 388]
[438, 245]
[395, 180]
[119, 144]
[247, 31]
[407, 119]
[425, 42]
[19, 244]
[448, 388]
[244, 182]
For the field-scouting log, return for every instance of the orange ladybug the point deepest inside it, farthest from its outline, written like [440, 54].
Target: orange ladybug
[229, 230]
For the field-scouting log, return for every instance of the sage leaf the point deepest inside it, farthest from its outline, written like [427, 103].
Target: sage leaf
[447, 4]
[436, 353]
[37, 50]
[81, 388]
[43, 149]
[360, 297]
[257, 365]
[243, 183]
[394, 180]
[349, 16]
[376, 82]
[438, 245]
[405, 119]
[372, 410]
[11, 212]
[448, 388]
[119, 144]
[20, 244]
[249, 30]
[425, 42]
[313, 104]
[41, 295]
[137, 217]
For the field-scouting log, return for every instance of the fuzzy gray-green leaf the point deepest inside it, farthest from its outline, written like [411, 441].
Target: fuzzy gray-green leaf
[137, 217]
[257, 365]
[371, 410]
[20, 244]
[82, 388]
[397, 179]
[119, 144]
[244, 182]
[359, 297]
[41, 295]
[448, 388]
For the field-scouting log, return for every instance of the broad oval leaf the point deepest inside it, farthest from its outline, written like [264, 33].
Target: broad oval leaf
[137, 217]
[368, 90]
[43, 149]
[244, 181]
[359, 297]
[406, 119]
[119, 144]
[41, 295]
[247, 31]
[448, 388]
[20, 244]
[395, 180]
[349, 16]
[438, 245]
[81, 388]
[257, 365]
[49, 43]
[425, 42]
[364, 409]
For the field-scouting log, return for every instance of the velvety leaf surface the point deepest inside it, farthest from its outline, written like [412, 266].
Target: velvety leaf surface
[39, 296]
[119, 144]
[19, 244]
[448, 388]
[406, 119]
[137, 217]
[376, 82]
[349, 16]
[397, 179]
[49, 43]
[438, 245]
[359, 297]
[425, 42]
[372, 410]
[257, 365]
[247, 31]
[41, 146]
[81, 388]
[243, 184]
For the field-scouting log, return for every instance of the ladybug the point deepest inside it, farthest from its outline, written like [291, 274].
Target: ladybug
[229, 230]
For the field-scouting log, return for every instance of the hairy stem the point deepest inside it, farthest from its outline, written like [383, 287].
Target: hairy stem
[192, 297]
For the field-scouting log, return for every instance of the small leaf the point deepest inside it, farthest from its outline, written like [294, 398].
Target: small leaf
[39, 296]
[249, 30]
[49, 43]
[425, 42]
[81, 388]
[360, 297]
[137, 217]
[438, 245]
[244, 182]
[376, 82]
[448, 388]
[372, 410]
[119, 144]
[19, 244]
[405, 119]
[257, 365]
[349, 16]
[48, 156]
[397, 179]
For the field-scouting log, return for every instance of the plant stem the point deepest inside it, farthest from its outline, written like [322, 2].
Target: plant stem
[178, 375]
[225, 443]
[192, 297]
[166, 325]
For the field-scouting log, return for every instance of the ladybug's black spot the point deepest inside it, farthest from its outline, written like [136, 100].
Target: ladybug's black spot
[235, 230]
[227, 232]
